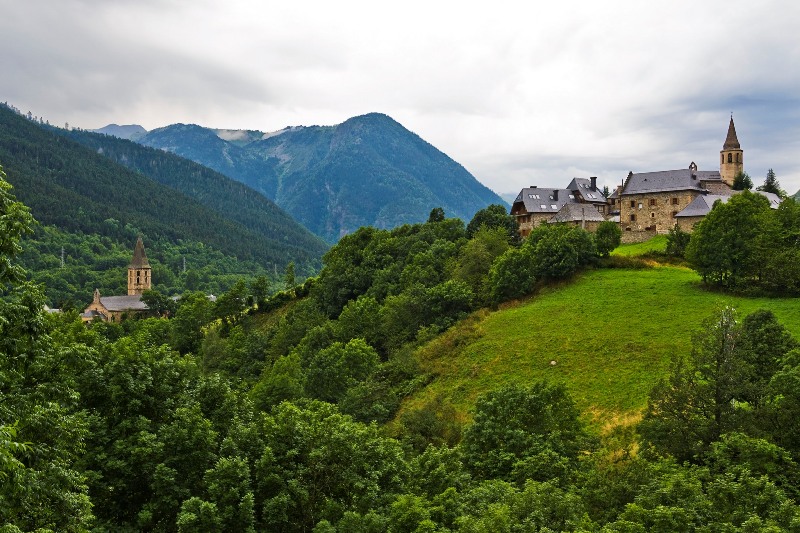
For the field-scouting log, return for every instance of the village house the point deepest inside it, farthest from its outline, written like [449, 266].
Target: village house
[650, 203]
[119, 308]
[580, 203]
[645, 204]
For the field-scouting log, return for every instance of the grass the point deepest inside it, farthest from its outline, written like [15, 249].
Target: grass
[608, 335]
[656, 244]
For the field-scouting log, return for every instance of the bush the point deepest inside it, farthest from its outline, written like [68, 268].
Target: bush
[558, 250]
[511, 275]
[677, 241]
[607, 237]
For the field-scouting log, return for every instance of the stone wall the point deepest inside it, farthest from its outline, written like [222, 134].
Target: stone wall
[634, 236]
[528, 221]
[717, 187]
[687, 223]
[652, 212]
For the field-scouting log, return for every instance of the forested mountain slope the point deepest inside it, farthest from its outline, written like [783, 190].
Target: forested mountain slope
[76, 189]
[367, 171]
[212, 189]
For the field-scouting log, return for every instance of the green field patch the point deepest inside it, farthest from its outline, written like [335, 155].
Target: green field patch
[657, 244]
[609, 336]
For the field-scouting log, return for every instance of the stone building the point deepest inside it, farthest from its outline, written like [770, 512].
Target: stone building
[650, 203]
[537, 205]
[731, 157]
[118, 308]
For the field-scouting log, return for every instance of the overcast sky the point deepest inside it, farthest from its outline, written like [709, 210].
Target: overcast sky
[520, 93]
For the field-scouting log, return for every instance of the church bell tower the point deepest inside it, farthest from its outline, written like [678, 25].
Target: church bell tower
[139, 271]
[731, 157]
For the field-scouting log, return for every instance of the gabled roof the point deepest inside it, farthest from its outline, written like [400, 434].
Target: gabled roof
[668, 180]
[123, 303]
[577, 212]
[583, 188]
[541, 200]
[139, 257]
[700, 206]
[731, 142]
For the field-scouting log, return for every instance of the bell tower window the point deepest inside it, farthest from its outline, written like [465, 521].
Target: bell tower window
[730, 158]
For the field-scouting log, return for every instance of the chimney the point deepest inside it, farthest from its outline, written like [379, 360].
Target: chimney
[533, 186]
[555, 195]
[594, 183]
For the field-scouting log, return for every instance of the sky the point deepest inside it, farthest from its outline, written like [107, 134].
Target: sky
[519, 93]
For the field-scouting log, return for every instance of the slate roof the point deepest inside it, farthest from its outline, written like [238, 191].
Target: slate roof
[123, 303]
[583, 187]
[668, 180]
[577, 212]
[700, 206]
[540, 200]
[92, 314]
[139, 257]
[731, 141]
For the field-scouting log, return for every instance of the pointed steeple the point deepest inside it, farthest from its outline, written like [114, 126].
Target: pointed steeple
[731, 141]
[139, 271]
[139, 257]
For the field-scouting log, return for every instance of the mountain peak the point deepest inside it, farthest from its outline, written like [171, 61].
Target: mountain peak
[366, 171]
[130, 132]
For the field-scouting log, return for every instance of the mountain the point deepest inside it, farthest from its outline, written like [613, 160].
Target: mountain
[224, 195]
[76, 189]
[369, 170]
[130, 132]
[797, 196]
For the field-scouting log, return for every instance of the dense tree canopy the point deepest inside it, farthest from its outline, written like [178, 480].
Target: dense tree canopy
[259, 412]
[744, 244]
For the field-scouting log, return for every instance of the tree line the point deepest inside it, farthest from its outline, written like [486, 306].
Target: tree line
[260, 412]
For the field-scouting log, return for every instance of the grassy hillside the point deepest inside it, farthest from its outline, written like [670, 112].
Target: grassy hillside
[611, 334]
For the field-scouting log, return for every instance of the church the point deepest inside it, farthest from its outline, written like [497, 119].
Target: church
[645, 204]
[119, 308]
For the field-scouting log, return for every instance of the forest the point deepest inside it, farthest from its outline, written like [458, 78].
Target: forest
[85, 189]
[277, 407]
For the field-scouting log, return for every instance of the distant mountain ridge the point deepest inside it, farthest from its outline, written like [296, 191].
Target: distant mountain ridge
[130, 132]
[368, 170]
[79, 188]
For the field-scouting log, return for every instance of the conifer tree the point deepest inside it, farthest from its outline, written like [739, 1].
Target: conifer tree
[771, 185]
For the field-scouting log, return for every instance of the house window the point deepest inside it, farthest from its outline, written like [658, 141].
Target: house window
[653, 215]
[554, 206]
[633, 217]
[640, 205]
[543, 206]
[674, 201]
[633, 204]
[674, 214]
[652, 202]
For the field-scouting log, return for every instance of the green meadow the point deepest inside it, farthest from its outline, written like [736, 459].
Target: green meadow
[609, 335]
[657, 244]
